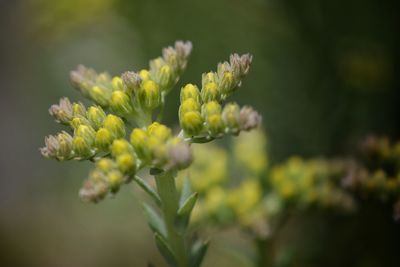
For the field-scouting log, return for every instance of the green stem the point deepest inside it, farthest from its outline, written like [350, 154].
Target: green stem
[170, 204]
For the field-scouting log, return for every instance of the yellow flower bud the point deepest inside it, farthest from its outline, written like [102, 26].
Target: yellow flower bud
[149, 95]
[115, 125]
[115, 179]
[230, 116]
[119, 147]
[144, 75]
[126, 163]
[210, 92]
[210, 77]
[192, 122]
[77, 121]
[117, 84]
[103, 139]
[190, 91]
[87, 133]
[159, 131]
[164, 77]
[188, 105]
[81, 147]
[139, 140]
[105, 165]
[215, 124]
[64, 150]
[96, 116]
[227, 83]
[120, 103]
[78, 109]
[100, 95]
[211, 108]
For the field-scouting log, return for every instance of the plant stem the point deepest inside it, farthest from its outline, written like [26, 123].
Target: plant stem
[169, 204]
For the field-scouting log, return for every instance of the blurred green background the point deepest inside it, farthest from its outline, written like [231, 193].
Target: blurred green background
[325, 74]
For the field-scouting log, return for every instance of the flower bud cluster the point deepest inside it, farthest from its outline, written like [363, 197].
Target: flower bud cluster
[309, 183]
[201, 113]
[94, 131]
[132, 98]
[376, 172]
[155, 146]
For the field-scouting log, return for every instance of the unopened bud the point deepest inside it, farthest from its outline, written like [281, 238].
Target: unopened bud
[215, 124]
[192, 122]
[78, 110]
[139, 140]
[94, 190]
[115, 125]
[105, 165]
[149, 95]
[132, 81]
[120, 146]
[179, 155]
[115, 179]
[103, 139]
[164, 77]
[78, 121]
[81, 147]
[230, 116]
[64, 151]
[87, 133]
[120, 103]
[100, 95]
[190, 91]
[62, 112]
[211, 108]
[126, 163]
[117, 84]
[240, 64]
[227, 83]
[210, 92]
[159, 131]
[189, 104]
[96, 116]
[249, 118]
[144, 75]
[210, 77]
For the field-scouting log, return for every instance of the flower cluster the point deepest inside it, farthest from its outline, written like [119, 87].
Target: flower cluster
[119, 133]
[255, 196]
[375, 173]
[306, 183]
[201, 113]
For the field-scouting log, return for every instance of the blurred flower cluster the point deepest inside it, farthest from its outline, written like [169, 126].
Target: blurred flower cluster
[375, 172]
[240, 188]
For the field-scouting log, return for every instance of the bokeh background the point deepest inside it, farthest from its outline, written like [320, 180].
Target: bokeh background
[325, 74]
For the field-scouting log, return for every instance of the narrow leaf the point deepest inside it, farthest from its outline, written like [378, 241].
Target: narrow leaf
[165, 250]
[155, 222]
[186, 190]
[142, 183]
[187, 206]
[197, 253]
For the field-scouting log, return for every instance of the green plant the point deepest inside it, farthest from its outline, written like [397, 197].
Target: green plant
[129, 104]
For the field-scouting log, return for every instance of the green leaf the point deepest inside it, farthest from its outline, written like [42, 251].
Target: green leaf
[197, 253]
[186, 190]
[165, 250]
[155, 222]
[184, 213]
[142, 183]
[187, 206]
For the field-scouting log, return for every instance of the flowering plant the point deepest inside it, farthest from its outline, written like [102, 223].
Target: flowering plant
[128, 105]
